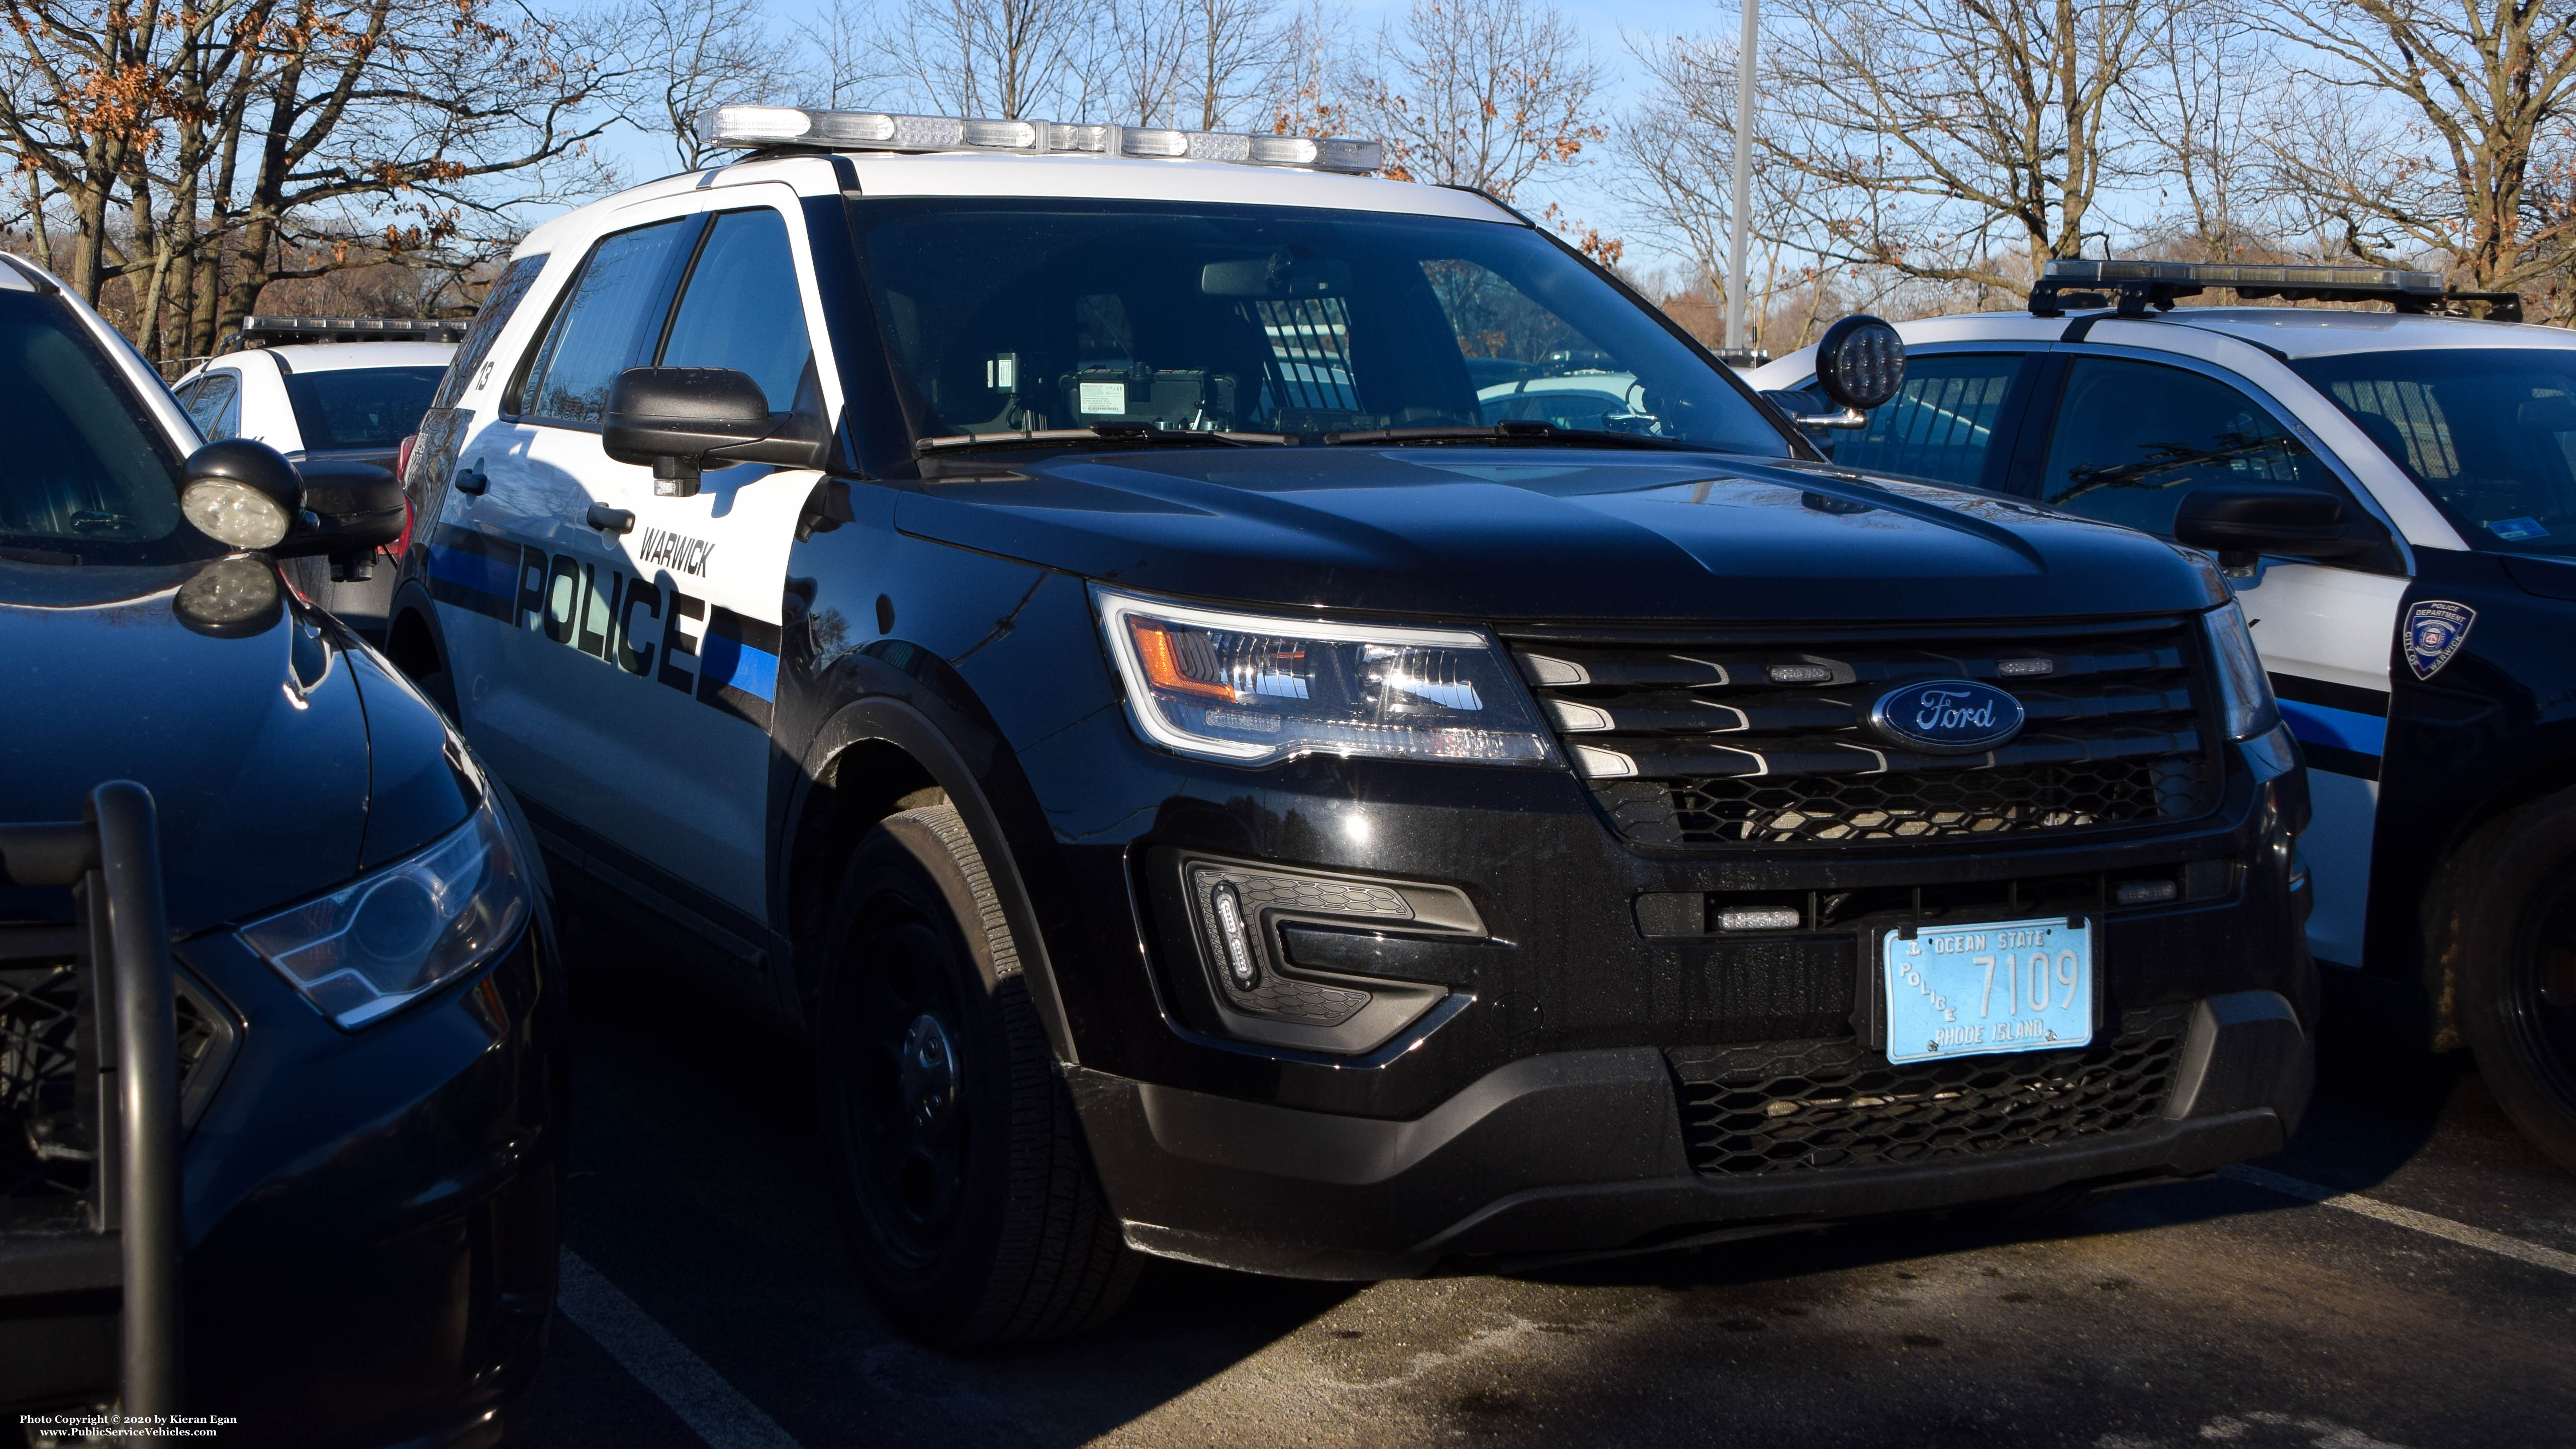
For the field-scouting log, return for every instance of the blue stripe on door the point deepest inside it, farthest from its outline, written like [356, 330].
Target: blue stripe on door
[726, 661]
[2340, 729]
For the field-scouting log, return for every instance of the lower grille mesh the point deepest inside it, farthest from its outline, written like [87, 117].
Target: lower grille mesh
[48, 1140]
[1821, 1105]
[1820, 809]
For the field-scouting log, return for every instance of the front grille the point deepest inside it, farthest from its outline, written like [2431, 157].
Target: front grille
[1825, 1105]
[48, 1129]
[44, 1148]
[1753, 741]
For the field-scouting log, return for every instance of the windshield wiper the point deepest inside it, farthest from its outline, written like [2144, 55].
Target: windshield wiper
[1116, 434]
[1515, 431]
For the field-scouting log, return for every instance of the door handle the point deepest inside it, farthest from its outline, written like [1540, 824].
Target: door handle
[470, 479]
[611, 520]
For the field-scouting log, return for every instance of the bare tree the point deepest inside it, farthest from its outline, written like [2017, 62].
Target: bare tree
[1484, 93]
[1207, 64]
[1962, 141]
[994, 57]
[201, 153]
[840, 61]
[1673, 168]
[2469, 164]
[2197, 112]
[688, 55]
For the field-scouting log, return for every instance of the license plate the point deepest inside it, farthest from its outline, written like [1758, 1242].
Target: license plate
[1998, 986]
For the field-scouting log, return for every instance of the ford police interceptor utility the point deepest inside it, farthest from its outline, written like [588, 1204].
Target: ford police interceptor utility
[1074, 619]
[2395, 495]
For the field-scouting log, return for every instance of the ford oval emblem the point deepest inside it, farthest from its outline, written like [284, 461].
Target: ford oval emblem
[1947, 716]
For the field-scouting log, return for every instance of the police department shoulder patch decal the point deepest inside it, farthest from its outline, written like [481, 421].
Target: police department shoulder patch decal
[2435, 630]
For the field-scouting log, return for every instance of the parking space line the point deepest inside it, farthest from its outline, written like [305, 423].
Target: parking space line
[714, 1409]
[2371, 1207]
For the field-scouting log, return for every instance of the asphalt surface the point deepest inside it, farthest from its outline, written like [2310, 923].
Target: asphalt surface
[710, 1305]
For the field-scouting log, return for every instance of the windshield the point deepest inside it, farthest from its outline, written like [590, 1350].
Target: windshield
[2489, 433]
[1007, 315]
[360, 407]
[91, 478]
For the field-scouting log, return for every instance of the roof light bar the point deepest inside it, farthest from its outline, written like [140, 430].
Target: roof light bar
[256, 330]
[2133, 287]
[770, 126]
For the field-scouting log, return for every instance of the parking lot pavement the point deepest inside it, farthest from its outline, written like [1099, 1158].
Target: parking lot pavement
[709, 1302]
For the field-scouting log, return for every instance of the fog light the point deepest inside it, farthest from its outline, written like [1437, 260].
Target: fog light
[1240, 967]
[1758, 918]
[2145, 892]
[1799, 674]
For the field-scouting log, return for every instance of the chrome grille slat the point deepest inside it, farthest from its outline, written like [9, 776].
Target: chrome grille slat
[1750, 741]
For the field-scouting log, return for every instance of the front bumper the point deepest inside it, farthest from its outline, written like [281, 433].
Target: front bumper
[371, 1219]
[1580, 1153]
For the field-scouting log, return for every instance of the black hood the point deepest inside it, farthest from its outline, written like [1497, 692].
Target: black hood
[257, 749]
[1540, 534]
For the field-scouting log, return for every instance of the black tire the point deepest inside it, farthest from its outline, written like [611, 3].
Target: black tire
[2505, 944]
[969, 1200]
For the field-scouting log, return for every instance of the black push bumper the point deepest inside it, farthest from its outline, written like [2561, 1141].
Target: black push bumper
[1576, 1153]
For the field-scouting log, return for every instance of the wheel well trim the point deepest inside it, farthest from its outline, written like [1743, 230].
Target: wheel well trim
[879, 719]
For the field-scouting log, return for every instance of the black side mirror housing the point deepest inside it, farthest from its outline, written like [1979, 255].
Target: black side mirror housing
[352, 510]
[677, 420]
[248, 495]
[2238, 521]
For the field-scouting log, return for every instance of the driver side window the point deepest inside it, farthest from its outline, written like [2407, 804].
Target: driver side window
[2133, 437]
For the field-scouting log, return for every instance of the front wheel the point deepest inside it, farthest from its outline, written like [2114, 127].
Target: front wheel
[2511, 919]
[969, 1200]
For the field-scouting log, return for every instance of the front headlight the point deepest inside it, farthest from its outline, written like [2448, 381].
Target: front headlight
[372, 945]
[2244, 690]
[1255, 689]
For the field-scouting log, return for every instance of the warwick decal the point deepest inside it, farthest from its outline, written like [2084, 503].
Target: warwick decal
[647, 627]
[682, 553]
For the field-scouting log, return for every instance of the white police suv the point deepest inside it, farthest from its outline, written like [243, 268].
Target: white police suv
[2393, 497]
[345, 389]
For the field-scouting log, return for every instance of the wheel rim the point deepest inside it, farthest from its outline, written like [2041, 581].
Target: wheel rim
[908, 1115]
[2540, 992]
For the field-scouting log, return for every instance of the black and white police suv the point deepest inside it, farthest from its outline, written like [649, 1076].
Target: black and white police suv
[2394, 497]
[1284, 719]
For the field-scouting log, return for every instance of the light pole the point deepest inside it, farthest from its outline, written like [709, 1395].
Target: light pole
[1742, 202]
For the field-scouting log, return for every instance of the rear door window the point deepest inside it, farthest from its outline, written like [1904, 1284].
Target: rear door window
[1944, 424]
[609, 322]
[215, 405]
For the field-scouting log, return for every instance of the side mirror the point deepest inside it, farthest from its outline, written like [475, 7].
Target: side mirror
[242, 494]
[677, 419]
[2238, 521]
[248, 496]
[354, 509]
[1860, 365]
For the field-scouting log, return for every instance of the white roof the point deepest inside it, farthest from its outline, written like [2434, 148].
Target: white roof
[342, 356]
[2324, 332]
[2285, 331]
[968, 173]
